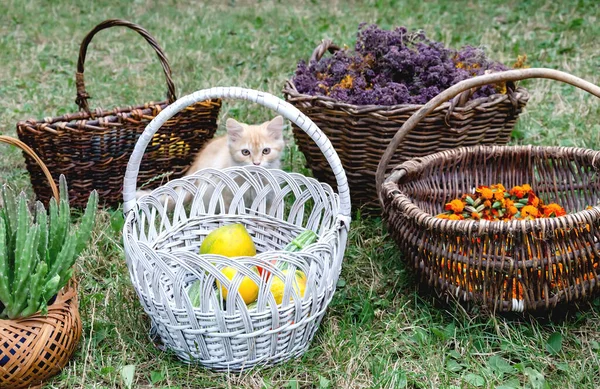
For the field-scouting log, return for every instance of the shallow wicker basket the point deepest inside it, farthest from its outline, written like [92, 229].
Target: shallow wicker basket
[91, 147]
[519, 265]
[360, 133]
[161, 249]
[36, 348]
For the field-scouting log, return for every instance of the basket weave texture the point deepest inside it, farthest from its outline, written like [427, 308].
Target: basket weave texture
[360, 133]
[518, 265]
[91, 147]
[36, 348]
[161, 249]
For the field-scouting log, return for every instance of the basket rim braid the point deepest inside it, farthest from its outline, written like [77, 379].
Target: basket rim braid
[91, 147]
[164, 229]
[38, 347]
[360, 133]
[526, 255]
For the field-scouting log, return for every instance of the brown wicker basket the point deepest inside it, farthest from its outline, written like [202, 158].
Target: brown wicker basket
[518, 265]
[91, 148]
[360, 134]
[36, 348]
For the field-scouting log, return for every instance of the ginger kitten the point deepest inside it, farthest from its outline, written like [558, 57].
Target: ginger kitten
[243, 144]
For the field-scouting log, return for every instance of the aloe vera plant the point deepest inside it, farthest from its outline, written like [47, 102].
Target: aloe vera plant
[38, 251]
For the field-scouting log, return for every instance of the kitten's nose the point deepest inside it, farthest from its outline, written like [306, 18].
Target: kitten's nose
[256, 163]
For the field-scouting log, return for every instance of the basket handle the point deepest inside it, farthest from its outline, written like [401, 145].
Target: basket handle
[16, 142]
[83, 96]
[492, 78]
[325, 46]
[262, 98]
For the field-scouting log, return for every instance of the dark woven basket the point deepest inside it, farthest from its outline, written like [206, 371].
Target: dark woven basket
[518, 265]
[360, 133]
[91, 148]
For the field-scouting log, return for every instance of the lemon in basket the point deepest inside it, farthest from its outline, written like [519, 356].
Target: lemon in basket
[231, 240]
[278, 285]
[248, 288]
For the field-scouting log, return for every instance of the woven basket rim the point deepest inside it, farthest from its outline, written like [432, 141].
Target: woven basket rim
[520, 92]
[390, 189]
[74, 120]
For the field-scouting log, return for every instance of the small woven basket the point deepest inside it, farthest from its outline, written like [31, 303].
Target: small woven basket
[518, 265]
[360, 133]
[37, 347]
[91, 148]
[161, 249]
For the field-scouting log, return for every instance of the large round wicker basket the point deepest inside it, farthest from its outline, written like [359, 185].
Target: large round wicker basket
[164, 230]
[360, 133]
[518, 265]
[37, 347]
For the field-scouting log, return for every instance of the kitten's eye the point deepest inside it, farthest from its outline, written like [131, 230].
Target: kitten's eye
[246, 152]
[266, 151]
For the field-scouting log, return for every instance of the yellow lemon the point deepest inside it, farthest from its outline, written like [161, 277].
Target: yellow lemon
[278, 285]
[248, 288]
[232, 240]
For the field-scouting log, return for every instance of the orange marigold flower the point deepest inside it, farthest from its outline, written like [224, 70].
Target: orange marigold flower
[455, 206]
[486, 192]
[533, 200]
[529, 211]
[519, 191]
[555, 209]
[487, 203]
[499, 195]
[475, 215]
[443, 216]
[455, 217]
[512, 210]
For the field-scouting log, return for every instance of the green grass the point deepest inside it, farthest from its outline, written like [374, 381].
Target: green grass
[381, 330]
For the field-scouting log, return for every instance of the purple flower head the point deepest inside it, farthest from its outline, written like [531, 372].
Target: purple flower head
[389, 67]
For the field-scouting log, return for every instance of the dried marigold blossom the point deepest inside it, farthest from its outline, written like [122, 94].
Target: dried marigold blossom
[496, 203]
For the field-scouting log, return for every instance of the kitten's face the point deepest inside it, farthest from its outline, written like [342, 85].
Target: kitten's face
[260, 145]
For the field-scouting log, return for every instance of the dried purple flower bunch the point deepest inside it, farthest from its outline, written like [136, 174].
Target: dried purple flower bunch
[393, 67]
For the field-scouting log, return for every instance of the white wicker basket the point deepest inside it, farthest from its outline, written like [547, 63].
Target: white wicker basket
[161, 249]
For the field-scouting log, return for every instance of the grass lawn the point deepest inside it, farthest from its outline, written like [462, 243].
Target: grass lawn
[380, 331]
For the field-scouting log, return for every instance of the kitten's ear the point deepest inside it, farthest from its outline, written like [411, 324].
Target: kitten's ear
[275, 127]
[234, 129]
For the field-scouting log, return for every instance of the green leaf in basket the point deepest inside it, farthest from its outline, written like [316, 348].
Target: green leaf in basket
[194, 293]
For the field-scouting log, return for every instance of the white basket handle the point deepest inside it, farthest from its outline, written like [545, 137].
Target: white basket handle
[262, 98]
